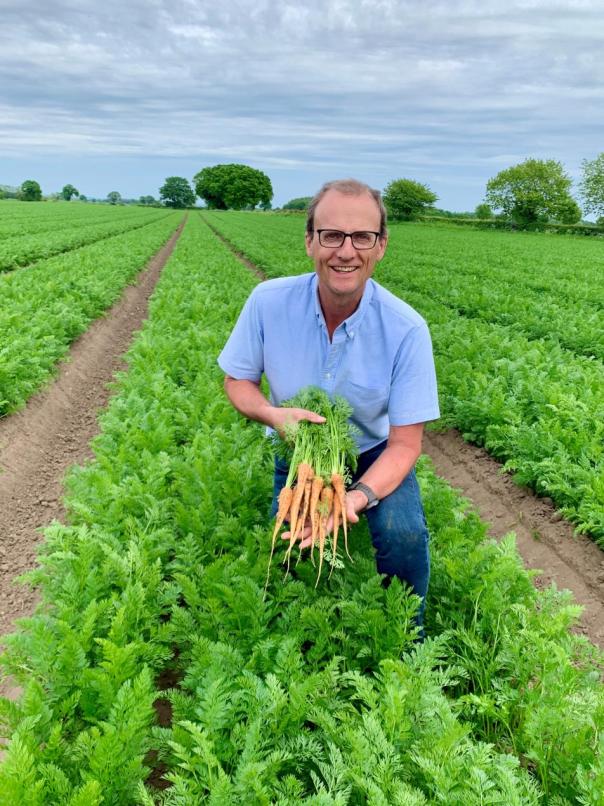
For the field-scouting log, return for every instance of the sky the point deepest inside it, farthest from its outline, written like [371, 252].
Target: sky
[118, 95]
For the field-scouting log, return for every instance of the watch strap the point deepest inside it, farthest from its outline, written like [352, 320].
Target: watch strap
[372, 499]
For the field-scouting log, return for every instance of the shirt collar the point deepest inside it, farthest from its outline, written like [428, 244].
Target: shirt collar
[352, 323]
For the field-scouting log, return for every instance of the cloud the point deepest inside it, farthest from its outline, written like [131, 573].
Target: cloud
[447, 85]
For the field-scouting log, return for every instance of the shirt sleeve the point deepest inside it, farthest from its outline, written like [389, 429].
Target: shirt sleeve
[243, 355]
[413, 391]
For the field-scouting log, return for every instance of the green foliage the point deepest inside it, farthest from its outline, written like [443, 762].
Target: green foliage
[113, 197]
[43, 310]
[300, 203]
[406, 199]
[147, 201]
[483, 210]
[591, 187]
[30, 191]
[303, 696]
[176, 192]
[69, 191]
[533, 192]
[233, 186]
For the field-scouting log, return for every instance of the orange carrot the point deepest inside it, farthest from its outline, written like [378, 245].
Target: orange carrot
[284, 500]
[336, 525]
[305, 472]
[340, 491]
[317, 486]
[326, 502]
[305, 510]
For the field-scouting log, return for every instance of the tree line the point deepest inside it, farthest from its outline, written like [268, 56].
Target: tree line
[529, 194]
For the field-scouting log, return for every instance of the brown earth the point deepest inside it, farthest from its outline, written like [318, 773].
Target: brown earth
[53, 432]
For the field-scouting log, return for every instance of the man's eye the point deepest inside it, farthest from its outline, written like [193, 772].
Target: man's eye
[363, 238]
[332, 236]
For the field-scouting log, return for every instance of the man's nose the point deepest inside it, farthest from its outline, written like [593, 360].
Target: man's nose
[347, 249]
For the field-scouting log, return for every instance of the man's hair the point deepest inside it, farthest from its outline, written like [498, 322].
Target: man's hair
[350, 187]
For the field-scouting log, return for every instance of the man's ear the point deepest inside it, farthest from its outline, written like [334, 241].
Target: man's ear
[308, 242]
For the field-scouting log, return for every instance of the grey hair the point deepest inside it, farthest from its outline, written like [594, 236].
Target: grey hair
[350, 187]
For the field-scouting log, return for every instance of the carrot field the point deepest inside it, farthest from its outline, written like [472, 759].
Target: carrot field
[159, 670]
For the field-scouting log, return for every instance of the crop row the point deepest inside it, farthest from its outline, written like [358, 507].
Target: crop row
[43, 310]
[315, 696]
[25, 249]
[532, 403]
[32, 219]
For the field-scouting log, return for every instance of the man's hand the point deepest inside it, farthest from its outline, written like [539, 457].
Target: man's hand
[279, 418]
[249, 401]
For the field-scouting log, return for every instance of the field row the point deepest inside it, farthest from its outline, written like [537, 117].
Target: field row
[24, 249]
[44, 309]
[32, 218]
[534, 404]
[303, 696]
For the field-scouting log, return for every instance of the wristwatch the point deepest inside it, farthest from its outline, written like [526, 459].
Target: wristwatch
[372, 499]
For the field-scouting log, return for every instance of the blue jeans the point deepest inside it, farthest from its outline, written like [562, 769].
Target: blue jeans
[397, 526]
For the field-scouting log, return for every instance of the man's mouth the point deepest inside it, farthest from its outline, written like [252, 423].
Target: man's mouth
[344, 269]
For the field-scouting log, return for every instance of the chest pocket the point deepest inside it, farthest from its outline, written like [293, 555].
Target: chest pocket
[369, 402]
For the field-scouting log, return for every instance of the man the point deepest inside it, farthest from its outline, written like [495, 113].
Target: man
[338, 329]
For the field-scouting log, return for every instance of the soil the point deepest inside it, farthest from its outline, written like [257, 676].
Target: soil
[53, 432]
[545, 540]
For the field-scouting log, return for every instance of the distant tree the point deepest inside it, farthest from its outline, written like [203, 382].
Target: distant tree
[300, 203]
[69, 191]
[176, 192]
[30, 190]
[532, 192]
[591, 187]
[114, 197]
[266, 206]
[83, 198]
[233, 186]
[147, 200]
[406, 199]
[483, 211]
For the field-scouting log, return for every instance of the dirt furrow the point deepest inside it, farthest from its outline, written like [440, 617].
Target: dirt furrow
[39, 444]
[545, 540]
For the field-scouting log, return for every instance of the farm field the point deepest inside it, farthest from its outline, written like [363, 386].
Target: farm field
[45, 306]
[517, 322]
[153, 594]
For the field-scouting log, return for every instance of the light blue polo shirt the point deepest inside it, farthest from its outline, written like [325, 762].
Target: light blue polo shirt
[380, 358]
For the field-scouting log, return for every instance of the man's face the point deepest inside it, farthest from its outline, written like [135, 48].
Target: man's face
[343, 271]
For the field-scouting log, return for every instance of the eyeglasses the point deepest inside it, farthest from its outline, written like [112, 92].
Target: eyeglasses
[334, 238]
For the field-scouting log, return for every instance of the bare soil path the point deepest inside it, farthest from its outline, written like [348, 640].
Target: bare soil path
[545, 540]
[53, 432]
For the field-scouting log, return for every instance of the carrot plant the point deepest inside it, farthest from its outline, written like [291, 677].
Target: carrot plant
[321, 457]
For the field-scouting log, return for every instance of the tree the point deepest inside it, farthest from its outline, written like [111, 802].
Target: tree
[532, 192]
[300, 203]
[406, 199]
[83, 198]
[30, 191]
[147, 200]
[69, 191]
[483, 211]
[591, 186]
[233, 186]
[176, 192]
[114, 197]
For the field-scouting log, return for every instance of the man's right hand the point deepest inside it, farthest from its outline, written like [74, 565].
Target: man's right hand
[248, 399]
[281, 417]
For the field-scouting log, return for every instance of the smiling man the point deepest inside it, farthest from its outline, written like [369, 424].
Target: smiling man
[338, 329]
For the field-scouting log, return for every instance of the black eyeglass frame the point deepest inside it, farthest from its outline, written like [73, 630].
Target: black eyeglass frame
[348, 235]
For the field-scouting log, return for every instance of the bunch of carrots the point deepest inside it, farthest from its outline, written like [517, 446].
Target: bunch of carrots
[320, 458]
